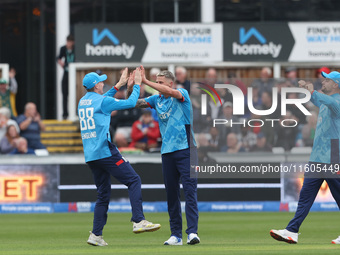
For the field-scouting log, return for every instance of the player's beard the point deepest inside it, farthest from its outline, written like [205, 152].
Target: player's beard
[324, 90]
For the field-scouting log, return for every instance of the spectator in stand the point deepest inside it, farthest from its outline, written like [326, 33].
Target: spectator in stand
[227, 95]
[214, 141]
[261, 144]
[211, 77]
[7, 143]
[143, 92]
[286, 136]
[153, 75]
[257, 101]
[181, 78]
[214, 110]
[291, 75]
[233, 145]
[145, 132]
[8, 92]
[308, 130]
[228, 127]
[232, 79]
[121, 121]
[264, 83]
[202, 140]
[21, 147]
[298, 114]
[224, 94]
[246, 137]
[281, 83]
[5, 115]
[201, 123]
[31, 125]
[318, 82]
[66, 56]
[268, 130]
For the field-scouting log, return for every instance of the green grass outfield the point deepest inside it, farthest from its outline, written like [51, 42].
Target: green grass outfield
[220, 233]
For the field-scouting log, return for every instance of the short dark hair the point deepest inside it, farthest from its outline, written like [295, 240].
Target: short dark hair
[147, 112]
[89, 90]
[70, 38]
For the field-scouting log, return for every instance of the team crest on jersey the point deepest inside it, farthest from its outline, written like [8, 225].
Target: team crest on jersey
[165, 115]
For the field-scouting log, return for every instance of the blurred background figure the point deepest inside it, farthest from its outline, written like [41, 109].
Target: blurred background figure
[214, 141]
[181, 78]
[264, 83]
[233, 80]
[145, 132]
[8, 90]
[211, 77]
[228, 127]
[246, 137]
[66, 56]
[286, 136]
[318, 81]
[291, 75]
[21, 147]
[268, 130]
[7, 143]
[153, 75]
[261, 144]
[31, 125]
[233, 144]
[5, 121]
[308, 130]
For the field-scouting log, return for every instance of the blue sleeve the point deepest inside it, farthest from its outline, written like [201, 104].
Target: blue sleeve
[151, 100]
[185, 95]
[111, 92]
[20, 119]
[318, 99]
[110, 104]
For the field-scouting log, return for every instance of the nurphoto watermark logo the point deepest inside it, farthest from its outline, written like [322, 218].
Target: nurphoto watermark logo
[239, 100]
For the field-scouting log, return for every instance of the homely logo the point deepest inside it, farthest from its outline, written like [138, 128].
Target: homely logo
[261, 48]
[239, 102]
[117, 49]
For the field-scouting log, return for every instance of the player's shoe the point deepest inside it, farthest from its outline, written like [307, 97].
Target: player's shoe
[284, 235]
[173, 240]
[336, 241]
[145, 226]
[193, 239]
[96, 240]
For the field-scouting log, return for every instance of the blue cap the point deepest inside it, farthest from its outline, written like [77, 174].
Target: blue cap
[334, 76]
[91, 79]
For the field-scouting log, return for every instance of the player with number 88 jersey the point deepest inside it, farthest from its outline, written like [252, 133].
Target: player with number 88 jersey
[104, 159]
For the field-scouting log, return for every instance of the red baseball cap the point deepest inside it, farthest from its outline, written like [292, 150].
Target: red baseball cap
[324, 69]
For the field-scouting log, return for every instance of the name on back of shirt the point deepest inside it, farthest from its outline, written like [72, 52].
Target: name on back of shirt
[85, 102]
[89, 135]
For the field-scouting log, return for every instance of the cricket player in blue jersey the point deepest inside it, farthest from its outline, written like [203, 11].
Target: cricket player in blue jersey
[104, 159]
[325, 156]
[179, 154]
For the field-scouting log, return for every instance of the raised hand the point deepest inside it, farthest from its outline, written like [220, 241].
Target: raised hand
[306, 85]
[123, 78]
[143, 74]
[138, 76]
[131, 80]
[302, 83]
